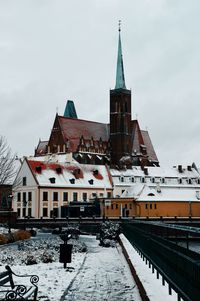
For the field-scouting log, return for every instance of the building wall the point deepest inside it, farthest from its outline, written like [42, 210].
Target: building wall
[168, 209]
[51, 204]
[119, 207]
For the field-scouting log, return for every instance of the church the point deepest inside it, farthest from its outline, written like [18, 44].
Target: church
[88, 168]
[120, 144]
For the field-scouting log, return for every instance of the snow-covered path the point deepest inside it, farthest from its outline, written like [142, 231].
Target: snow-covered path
[104, 275]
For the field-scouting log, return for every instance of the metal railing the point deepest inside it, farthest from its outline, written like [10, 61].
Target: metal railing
[176, 265]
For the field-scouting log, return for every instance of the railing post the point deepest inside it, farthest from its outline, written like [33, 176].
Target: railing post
[163, 280]
[170, 289]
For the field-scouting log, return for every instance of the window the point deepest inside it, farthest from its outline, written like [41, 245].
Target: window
[153, 180]
[24, 212]
[45, 196]
[122, 179]
[29, 196]
[125, 206]
[132, 180]
[116, 206]
[146, 206]
[155, 206]
[180, 181]
[24, 198]
[45, 212]
[29, 212]
[65, 196]
[19, 197]
[109, 194]
[143, 180]
[151, 194]
[18, 212]
[84, 196]
[24, 181]
[163, 180]
[112, 206]
[189, 181]
[150, 206]
[130, 206]
[55, 196]
[75, 196]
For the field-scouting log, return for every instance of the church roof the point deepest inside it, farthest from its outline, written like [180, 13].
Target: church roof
[120, 78]
[141, 137]
[74, 129]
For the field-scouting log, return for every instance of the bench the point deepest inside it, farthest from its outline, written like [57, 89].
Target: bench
[11, 291]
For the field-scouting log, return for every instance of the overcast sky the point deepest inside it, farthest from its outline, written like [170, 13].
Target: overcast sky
[54, 50]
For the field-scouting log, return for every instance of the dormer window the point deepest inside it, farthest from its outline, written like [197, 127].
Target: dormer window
[95, 172]
[132, 180]
[122, 179]
[59, 170]
[153, 180]
[38, 169]
[143, 180]
[72, 181]
[91, 182]
[52, 180]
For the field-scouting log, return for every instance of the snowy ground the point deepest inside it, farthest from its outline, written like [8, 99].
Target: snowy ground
[103, 276]
[99, 274]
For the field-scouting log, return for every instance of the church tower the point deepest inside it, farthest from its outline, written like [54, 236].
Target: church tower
[120, 115]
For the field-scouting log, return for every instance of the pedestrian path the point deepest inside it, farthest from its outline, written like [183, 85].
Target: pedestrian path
[104, 275]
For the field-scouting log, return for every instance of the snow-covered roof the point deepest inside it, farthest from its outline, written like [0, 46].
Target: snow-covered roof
[160, 172]
[61, 174]
[144, 192]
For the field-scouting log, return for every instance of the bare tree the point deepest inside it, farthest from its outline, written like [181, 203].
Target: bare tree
[7, 163]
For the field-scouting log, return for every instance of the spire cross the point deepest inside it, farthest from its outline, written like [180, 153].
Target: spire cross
[119, 24]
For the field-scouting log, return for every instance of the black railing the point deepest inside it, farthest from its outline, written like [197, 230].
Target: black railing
[178, 266]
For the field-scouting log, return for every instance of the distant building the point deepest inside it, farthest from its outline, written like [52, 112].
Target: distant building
[121, 143]
[154, 192]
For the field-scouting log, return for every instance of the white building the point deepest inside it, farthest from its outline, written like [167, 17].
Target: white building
[49, 183]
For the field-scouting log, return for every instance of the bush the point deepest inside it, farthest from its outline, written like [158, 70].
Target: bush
[30, 260]
[109, 233]
[21, 235]
[3, 239]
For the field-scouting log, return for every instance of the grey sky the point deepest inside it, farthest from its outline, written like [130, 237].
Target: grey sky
[54, 50]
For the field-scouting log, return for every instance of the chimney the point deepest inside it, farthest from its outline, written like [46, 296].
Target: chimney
[180, 168]
[146, 171]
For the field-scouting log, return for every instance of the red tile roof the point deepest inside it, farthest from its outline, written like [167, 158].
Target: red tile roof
[73, 129]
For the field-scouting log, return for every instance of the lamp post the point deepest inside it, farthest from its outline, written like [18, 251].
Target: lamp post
[9, 206]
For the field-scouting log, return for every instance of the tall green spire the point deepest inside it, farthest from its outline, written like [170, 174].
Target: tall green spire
[120, 79]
